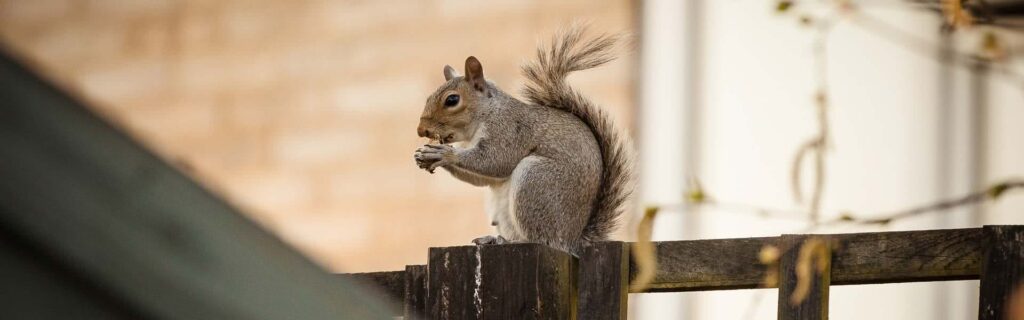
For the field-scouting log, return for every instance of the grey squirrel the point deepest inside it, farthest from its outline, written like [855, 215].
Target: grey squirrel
[557, 168]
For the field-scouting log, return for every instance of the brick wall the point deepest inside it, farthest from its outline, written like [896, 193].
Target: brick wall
[303, 113]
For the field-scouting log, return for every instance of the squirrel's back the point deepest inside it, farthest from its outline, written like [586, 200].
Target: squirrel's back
[572, 51]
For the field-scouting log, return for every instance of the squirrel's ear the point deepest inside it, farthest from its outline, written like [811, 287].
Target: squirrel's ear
[449, 72]
[475, 73]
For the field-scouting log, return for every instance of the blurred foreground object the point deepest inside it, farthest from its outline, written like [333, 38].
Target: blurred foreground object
[93, 226]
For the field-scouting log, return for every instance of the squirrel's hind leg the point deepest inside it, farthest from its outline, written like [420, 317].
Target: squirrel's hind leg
[551, 202]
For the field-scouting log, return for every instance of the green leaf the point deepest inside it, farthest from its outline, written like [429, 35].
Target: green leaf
[846, 216]
[997, 190]
[783, 6]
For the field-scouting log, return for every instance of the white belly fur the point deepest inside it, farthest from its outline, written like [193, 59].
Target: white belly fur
[501, 202]
[496, 202]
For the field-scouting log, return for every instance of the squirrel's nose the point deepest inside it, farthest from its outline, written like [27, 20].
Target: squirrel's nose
[423, 132]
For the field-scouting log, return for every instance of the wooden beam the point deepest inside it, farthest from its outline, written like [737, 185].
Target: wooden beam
[700, 265]
[860, 258]
[530, 281]
[812, 303]
[604, 281]
[109, 212]
[907, 256]
[391, 283]
[415, 300]
[451, 280]
[1003, 270]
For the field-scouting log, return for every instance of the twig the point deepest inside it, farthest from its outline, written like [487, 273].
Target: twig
[739, 209]
[973, 198]
[991, 193]
[924, 47]
[816, 145]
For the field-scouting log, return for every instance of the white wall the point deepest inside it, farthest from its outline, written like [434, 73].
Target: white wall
[901, 135]
[662, 130]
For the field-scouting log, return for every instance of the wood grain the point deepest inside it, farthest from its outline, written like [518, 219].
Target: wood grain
[604, 281]
[515, 281]
[860, 258]
[814, 304]
[415, 300]
[451, 281]
[1003, 270]
[390, 283]
[526, 281]
[699, 265]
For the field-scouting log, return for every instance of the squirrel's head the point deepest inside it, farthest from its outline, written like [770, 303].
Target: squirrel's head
[449, 112]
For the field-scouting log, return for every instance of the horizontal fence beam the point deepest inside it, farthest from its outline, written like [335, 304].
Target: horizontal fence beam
[858, 258]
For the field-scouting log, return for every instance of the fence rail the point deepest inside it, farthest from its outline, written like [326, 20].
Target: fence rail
[532, 281]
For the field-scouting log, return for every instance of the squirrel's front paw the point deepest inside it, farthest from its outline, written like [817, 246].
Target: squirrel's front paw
[490, 240]
[431, 156]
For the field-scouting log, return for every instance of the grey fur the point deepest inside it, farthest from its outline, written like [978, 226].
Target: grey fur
[572, 51]
[558, 158]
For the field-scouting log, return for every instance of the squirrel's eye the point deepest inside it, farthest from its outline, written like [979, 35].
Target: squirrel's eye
[451, 100]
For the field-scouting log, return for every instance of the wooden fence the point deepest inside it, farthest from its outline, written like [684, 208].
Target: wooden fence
[531, 281]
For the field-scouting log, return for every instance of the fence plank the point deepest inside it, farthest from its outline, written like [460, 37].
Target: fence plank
[451, 279]
[907, 256]
[604, 281]
[392, 283]
[415, 299]
[699, 265]
[814, 305]
[523, 281]
[862, 258]
[1003, 269]
[526, 281]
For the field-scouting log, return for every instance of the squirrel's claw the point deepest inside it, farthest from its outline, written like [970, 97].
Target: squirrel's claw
[485, 240]
[439, 163]
[431, 156]
[421, 161]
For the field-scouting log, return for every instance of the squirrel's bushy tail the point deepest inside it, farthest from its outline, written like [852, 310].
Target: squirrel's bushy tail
[571, 51]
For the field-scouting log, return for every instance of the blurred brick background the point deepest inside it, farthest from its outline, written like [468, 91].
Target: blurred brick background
[303, 113]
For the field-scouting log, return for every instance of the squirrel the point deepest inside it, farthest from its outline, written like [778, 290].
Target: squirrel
[557, 168]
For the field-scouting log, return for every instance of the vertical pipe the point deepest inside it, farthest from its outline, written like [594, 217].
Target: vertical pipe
[978, 116]
[668, 128]
[945, 131]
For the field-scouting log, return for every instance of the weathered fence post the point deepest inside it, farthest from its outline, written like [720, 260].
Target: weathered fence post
[604, 281]
[815, 304]
[517, 281]
[1002, 269]
[415, 301]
